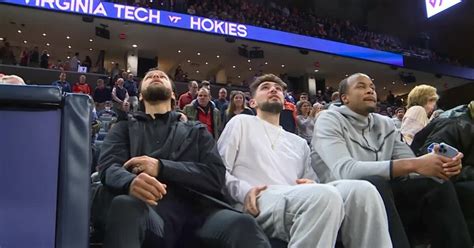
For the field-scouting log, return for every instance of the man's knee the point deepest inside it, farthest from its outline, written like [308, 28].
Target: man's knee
[321, 194]
[364, 189]
[127, 204]
[236, 230]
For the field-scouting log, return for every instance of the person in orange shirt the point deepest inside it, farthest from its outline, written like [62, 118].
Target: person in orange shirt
[82, 87]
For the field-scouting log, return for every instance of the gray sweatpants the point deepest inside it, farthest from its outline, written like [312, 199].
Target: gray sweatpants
[311, 215]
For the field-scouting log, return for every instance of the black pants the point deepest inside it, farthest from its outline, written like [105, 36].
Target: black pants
[422, 208]
[132, 223]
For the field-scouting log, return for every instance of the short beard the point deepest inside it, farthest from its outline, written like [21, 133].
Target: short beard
[272, 107]
[156, 92]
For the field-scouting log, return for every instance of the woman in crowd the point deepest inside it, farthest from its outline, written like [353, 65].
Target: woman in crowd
[305, 119]
[421, 103]
[237, 106]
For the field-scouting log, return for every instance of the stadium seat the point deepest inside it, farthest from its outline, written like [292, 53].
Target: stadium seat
[45, 169]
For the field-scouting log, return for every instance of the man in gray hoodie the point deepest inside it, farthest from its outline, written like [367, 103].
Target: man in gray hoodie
[352, 142]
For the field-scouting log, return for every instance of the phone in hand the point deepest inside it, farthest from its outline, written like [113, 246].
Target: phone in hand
[444, 150]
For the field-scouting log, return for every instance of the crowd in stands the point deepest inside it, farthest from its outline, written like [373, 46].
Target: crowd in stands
[143, 156]
[34, 57]
[270, 15]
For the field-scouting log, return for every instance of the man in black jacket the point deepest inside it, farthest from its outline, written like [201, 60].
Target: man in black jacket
[169, 179]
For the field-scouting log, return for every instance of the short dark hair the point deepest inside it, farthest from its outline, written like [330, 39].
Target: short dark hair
[265, 78]
[344, 85]
[304, 94]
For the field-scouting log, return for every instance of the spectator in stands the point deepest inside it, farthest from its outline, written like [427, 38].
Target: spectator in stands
[124, 75]
[397, 119]
[303, 97]
[115, 72]
[390, 98]
[305, 120]
[35, 57]
[269, 176]
[107, 110]
[44, 60]
[12, 79]
[87, 63]
[288, 116]
[24, 57]
[352, 142]
[421, 102]
[120, 99]
[221, 103]
[187, 98]
[204, 111]
[237, 106]
[101, 95]
[169, 192]
[318, 107]
[334, 100]
[62, 83]
[82, 87]
[74, 62]
[206, 85]
[179, 74]
[6, 54]
[132, 89]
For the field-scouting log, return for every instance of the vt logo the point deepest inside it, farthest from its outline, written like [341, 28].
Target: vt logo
[174, 19]
[433, 2]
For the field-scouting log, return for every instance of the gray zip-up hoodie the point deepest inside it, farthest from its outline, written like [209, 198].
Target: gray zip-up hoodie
[347, 145]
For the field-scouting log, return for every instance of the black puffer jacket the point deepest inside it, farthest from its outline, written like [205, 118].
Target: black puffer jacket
[455, 128]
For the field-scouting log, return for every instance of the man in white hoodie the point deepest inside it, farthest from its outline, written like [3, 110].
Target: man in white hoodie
[352, 142]
[269, 176]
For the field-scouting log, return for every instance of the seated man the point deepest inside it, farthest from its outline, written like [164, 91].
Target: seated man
[352, 142]
[269, 174]
[168, 176]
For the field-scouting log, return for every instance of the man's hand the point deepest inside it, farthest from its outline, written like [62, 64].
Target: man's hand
[304, 181]
[250, 202]
[125, 106]
[454, 166]
[147, 189]
[431, 164]
[148, 165]
[183, 117]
